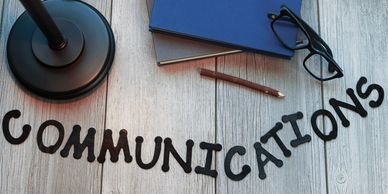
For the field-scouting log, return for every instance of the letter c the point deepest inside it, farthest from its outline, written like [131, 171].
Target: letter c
[245, 170]
[7, 134]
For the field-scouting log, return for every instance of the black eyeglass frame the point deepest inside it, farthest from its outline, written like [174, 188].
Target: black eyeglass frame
[315, 43]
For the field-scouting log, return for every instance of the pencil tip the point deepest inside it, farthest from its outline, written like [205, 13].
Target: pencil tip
[281, 95]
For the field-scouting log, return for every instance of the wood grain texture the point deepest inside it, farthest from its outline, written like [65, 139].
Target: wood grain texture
[174, 101]
[1, 16]
[244, 115]
[356, 31]
[24, 169]
[150, 101]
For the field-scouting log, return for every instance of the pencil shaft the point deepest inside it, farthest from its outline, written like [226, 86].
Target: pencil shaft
[239, 81]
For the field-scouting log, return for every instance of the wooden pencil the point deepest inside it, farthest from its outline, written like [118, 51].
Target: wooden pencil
[239, 81]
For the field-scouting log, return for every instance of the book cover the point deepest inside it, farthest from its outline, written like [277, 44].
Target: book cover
[171, 49]
[242, 24]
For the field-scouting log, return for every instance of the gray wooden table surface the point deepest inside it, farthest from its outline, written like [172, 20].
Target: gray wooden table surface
[174, 101]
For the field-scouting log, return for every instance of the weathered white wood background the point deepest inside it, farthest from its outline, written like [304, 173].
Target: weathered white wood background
[174, 101]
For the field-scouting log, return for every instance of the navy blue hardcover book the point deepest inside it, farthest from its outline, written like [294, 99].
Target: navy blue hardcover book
[240, 23]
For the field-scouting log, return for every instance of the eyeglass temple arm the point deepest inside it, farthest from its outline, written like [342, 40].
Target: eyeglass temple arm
[320, 40]
[316, 36]
[331, 67]
[273, 16]
[306, 26]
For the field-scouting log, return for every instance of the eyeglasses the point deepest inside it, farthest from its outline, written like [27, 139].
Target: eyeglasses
[319, 51]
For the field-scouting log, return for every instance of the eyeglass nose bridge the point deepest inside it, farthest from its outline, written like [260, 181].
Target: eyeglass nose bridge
[331, 66]
[302, 43]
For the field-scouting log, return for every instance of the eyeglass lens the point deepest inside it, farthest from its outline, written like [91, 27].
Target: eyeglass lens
[285, 24]
[320, 71]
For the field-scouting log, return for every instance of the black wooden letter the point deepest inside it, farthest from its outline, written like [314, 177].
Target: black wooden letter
[169, 148]
[357, 107]
[7, 134]
[368, 92]
[269, 157]
[273, 133]
[107, 144]
[333, 133]
[299, 138]
[209, 158]
[53, 148]
[74, 140]
[158, 147]
[228, 171]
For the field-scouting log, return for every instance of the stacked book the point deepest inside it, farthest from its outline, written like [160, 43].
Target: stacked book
[193, 29]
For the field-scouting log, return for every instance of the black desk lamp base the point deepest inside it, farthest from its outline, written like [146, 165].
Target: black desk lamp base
[62, 73]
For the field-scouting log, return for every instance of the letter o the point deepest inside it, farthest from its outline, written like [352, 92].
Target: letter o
[53, 148]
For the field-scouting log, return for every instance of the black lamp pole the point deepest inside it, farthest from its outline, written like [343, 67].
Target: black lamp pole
[45, 22]
[60, 49]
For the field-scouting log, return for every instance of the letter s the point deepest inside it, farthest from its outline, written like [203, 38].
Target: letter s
[369, 90]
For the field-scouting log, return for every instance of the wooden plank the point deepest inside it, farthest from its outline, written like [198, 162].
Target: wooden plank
[25, 169]
[244, 115]
[357, 32]
[1, 16]
[149, 101]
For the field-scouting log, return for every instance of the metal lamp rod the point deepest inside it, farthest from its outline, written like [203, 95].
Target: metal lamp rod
[45, 23]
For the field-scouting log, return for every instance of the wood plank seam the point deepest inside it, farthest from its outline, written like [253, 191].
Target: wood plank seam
[106, 99]
[1, 17]
[323, 104]
[215, 121]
